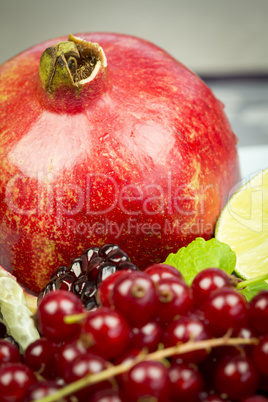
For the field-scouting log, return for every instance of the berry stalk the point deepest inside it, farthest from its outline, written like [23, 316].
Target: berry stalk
[158, 355]
[252, 281]
[74, 318]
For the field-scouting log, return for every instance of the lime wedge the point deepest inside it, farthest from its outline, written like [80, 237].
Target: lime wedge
[243, 225]
[15, 313]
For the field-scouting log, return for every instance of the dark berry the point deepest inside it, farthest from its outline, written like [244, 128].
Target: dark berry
[117, 256]
[77, 266]
[50, 287]
[79, 285]
[61, 271]
[3, 330]
[94, 268]
[10, 338]
[87, 272]
[88, 293]
[108, 249]
[90, 254]
[66, 282]
[105, 270]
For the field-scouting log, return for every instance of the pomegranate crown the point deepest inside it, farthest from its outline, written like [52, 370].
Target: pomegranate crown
[72, 63]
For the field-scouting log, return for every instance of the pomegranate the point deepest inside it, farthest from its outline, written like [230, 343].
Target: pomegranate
[104, 139]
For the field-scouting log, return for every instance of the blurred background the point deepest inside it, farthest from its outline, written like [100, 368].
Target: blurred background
[212, 37]
[223, 41]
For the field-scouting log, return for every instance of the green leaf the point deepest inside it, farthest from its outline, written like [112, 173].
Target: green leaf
[251, 290]
[201, 254]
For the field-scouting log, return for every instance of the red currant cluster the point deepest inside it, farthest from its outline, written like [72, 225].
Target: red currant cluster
[153, 338]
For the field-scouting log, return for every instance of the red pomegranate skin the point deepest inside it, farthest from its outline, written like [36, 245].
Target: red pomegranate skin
[145, 158]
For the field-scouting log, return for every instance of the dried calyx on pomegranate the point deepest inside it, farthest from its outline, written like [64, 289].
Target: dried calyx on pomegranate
[84, 274]
[66, 67]
[70, 62]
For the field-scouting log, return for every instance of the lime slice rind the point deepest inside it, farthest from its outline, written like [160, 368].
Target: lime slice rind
[15, 313]
[243, 225]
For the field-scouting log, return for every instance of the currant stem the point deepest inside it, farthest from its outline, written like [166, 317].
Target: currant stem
[91, 379]
[252, 281]
[74, 318]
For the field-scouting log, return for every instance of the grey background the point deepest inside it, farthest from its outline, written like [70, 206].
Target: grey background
[212, 37]
[208, 35]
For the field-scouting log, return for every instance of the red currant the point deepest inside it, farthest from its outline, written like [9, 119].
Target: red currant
[88, 363]
[41, 389]
[15, 379]
[263, 383]
[67, 353]
[236, 377]
[230, 351]
[258, 312]
[39, 357]
[211, 398]
[126, 358]
[186, 383]
[147, 336]
[174, 298]
[107, 395]
[104, 294]
[147, 379]
[51, 312]
[226, 309]
[9, 353]
[207, 368]
[260, 355]
[255, 398]
[134, 296]
[183, 330]
[160, 271]
[246, 332]
[206, 282]
[107, 331]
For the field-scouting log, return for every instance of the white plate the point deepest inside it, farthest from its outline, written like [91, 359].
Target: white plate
[252, 160]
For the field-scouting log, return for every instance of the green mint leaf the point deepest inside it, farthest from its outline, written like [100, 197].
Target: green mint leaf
[201, 254]
[252, 290]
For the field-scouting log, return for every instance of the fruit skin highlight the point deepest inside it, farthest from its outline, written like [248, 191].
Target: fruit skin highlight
[140, 153]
